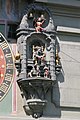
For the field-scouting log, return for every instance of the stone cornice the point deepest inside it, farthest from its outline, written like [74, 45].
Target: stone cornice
[73, 3]
[68, 30]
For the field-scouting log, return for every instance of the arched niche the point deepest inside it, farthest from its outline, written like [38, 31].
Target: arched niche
[36, 39]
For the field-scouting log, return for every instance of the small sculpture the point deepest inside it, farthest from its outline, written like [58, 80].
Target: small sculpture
[38, 55]
[17, 63]
[58, 63]
[57, 58]
[38, 24]
[17, 56]
[46, 72]
[40, 67]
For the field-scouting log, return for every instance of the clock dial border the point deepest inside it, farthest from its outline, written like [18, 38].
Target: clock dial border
[9, 69]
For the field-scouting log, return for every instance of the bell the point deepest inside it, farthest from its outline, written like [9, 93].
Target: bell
[30, 15]
[42, 16]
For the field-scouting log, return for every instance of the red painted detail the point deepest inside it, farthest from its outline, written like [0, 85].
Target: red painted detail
[2, 66]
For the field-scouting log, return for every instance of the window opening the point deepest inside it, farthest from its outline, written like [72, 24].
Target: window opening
[12, 31]
[2, 28]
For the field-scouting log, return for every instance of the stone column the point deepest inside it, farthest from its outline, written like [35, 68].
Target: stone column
[52, 59]
[24, 59]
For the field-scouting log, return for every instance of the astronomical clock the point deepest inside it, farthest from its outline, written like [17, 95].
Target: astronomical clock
[6, 67]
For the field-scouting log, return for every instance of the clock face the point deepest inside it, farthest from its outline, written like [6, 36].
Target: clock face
[6, 67]
[2, 66]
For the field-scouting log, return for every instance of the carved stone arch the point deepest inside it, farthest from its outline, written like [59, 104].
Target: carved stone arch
[36, 39]
[32, 13]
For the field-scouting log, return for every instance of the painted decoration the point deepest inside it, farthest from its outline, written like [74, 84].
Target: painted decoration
[6, 67]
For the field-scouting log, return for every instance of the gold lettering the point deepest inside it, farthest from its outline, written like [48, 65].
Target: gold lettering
[8, 77]
[6, 84]
[3, 88]
[9, 66]
[4, 45]
[8, 55]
